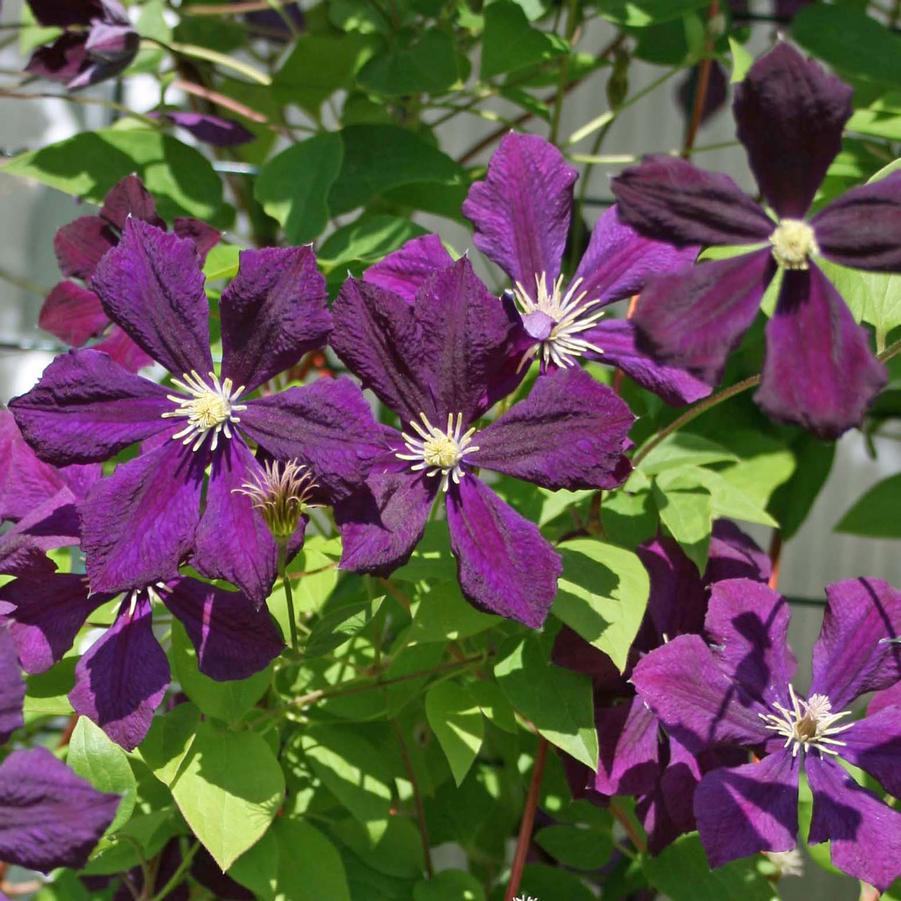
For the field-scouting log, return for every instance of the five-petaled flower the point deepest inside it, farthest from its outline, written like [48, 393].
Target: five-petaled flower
[819, 370]
[737, 691]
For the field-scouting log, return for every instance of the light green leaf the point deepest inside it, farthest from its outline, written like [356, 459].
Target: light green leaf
[602, 595]
[494, 704]
[683, 449]
[742, 60]
[558, 701]
[629, 519]
[688, 516]
[221, 262]
[511, 43]
[878, 513]
[456, 720]
[765, 464]
[367, 240]
[169, 740]
[641, 13]
[442, 614]
[429, 64]
[873, 297]
[726, 498]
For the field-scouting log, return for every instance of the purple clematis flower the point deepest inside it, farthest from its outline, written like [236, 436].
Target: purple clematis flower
[439, 362]
[49, 817]
[521, 214]
[140, 523]
[72, 311]
[819, 371]
[635, 758]
[737, 692]
[214, 130]
[98, 41]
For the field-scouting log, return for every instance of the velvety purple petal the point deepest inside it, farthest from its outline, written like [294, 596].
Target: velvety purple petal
[51, 524]
[62, 61]
[12, 688]
[698, 702]
[629, 749]
[232, 540]
[151, 285]
[49, 817]
[748, 809]
[81, 244]
[617, 339]
[852, 655]
[504, 564]
[861, 228]
[874, 744]
[865, 833]
[521, 210]
[72, 313]
[697, 318]
[619, 261]
[670, 199]
[326, 425]
[139, 523]
[234, 638]
[129, 197]
[891, 697]
[210, 129]
[66, 12]
[734, 555]
[570, 432]
[573, 652]
[273, 312]
[790, 114]
[819, 371]
[378, 339]
[404, 271]
[45, 614]
[21, 555]
[99, 70]
[204, 236]
[123, 350]
[123, 677]
[86, 408]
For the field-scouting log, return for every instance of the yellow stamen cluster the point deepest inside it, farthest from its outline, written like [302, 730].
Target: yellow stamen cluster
[793, 244]
[437, 452]
[810, 724]
[209, 408]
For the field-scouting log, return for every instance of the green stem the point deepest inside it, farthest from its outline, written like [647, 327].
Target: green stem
[213, 56]
[178, 875]
[572, 12]
[891, 351]
[289, 594]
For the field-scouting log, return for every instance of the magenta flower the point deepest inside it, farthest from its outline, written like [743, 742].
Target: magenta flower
[439, 362]
[72, 311]
[521, 214]
[819, 371]
[737, 692]
[140, 523]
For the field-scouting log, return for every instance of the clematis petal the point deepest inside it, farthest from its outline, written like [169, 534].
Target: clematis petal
[151, 285]
[852, 655]
[748, 623]
[790, 114]
[747, 809]
[670, 199]
[49, 817]
[697, 700]
[86, 408]
[139, 523]
[819, 371]
[326, 425]
[81, 244]
[66, 12]
[45, 614]
[570, 432]
[129, 197]
[629, 761]
[215, 130]
[12, 688]
[52, 524]
[273, 312]
[697, 318]
[619, 261]
[72, 313]
[617, 338]
[860, 228]
[63, 60]
[864, 832]
[734, 555]
[891, 697]
[234, 638]
[20, 555]
[404, 271]
[504, 564]
[874, 744]
[119, 347]
[521, 210]
[123, 677]
[573, 652]
[378, 339]
[203, 236]
[233, 541]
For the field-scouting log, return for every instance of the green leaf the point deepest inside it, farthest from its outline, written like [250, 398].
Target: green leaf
[742, 60]
[449, 885]
[293, 187]
[169, 740]
[792, 500]
[89, 164]
[602, 595]
[558, 701]
[443, 614]
[726, 498]
[47, 692]
[511, 43]
[432, 558]
[688, 516]
[641, 13]
[629, 519]
[873, 297]
[105, 765]
[684, 449]
[229, 790]
[546, 882]
[494, 704]
[226, 701]
[456, 720]
[876, 514]
[221, 262]
[575, 846]
[367, 240]
[428, 64]
[338, 626]
[682, 873]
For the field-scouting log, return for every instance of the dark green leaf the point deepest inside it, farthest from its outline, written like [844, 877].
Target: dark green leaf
[449, 885]
[367, 240]
[575, 846]
[428, 64]
[511, 43]
[641, 13]
[878, 513]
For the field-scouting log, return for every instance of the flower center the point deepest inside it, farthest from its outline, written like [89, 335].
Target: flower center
[437, 452]
[793, 243]
[570, 314]
[207, 407]
[809, 724]
[280, 491]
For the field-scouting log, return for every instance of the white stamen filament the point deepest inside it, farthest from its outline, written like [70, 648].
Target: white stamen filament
[437, 452]
[571, 314]
[208, 408]
[810, 724]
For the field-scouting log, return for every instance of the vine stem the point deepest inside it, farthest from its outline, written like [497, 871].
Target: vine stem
[524, 839]
[179, 875]
[289, 593]
[700, 97]
[417, 801]
[195, 51]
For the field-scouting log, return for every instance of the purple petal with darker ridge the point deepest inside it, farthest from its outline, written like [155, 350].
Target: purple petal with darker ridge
[73, 314]
[123, 350]
[734, 555]
[874, 744]
[204, 236]
[63, 60]
[12, 688]
[404, 271]
[81, 244]
[129, 197]
[111, 42]
[215, 130]
[629, 760]
[891, 697]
